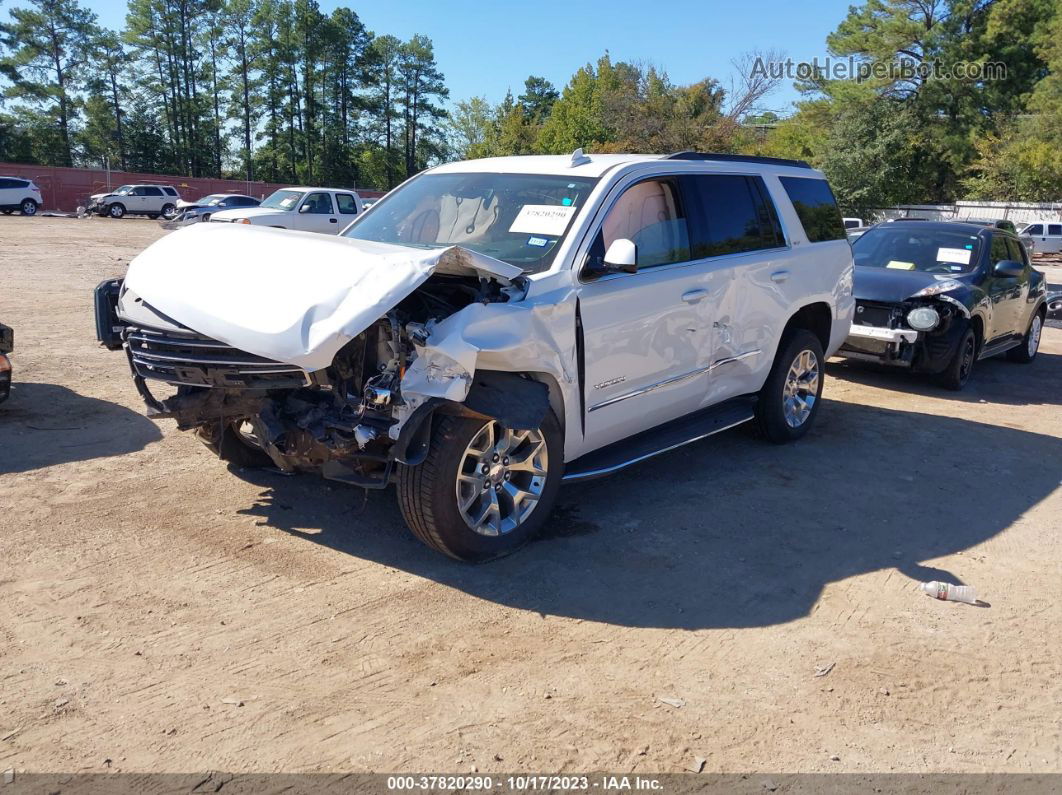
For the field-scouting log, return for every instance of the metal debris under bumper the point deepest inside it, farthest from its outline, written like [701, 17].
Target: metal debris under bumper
[193, 360]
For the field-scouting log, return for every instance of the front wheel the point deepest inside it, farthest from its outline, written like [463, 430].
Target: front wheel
[789, 400]
[483, 490]
[957, 373]
[1030, 343]
[116, 210]
[29, 207]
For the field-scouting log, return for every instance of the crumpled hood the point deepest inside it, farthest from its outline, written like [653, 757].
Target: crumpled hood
[891, 286]
[293, 297]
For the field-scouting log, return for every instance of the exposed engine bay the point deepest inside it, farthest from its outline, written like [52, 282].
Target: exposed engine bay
[349, 421]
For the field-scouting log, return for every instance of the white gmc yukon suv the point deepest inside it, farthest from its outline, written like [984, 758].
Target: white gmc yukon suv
[494, 328]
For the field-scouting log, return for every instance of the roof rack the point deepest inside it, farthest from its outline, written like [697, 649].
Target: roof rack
[727, 158]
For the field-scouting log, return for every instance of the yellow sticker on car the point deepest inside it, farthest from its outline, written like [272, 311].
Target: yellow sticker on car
[900, 266]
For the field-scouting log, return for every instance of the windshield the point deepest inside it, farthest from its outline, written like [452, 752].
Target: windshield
[282, 200]
[125, 190]
[917, 249]
[517, 218]
[212, 199]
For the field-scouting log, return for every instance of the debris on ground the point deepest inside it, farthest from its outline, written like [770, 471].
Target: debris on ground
[232, 700]
[822, 670]
[677, 703]
[697, 765]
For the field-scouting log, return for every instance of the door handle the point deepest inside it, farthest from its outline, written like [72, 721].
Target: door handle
[333, 221]
[693, 296]
[779, 276]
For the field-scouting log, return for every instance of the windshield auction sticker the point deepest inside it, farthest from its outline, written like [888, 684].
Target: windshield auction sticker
[542, 219]
[959, 255]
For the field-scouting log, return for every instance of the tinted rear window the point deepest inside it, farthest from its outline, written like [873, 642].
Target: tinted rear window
[730, 214]
[815, 206]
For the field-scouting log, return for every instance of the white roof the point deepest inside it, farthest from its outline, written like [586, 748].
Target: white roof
[543, 164]
[597, 165]
[305, 188]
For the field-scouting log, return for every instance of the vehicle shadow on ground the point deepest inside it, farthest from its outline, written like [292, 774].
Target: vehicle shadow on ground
[994, 380]
[728, 532]
[43, 425]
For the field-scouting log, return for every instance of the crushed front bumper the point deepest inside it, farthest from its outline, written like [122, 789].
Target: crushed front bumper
[884, 345]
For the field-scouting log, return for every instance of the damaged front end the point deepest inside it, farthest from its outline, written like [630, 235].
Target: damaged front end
[352, 419]
[920, 333]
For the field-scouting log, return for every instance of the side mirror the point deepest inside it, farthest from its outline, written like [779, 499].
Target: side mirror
[1008, 269]
[622, 256]
[305, 208]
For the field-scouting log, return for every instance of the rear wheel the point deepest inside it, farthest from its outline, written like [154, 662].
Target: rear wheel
[168, 211]
[484, 490]
[1030, 343]
[28, 207]
[957, 373]
[235, 443]
[789, 399]
[116, 210]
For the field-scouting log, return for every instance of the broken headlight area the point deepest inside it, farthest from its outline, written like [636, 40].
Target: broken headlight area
[919, 332]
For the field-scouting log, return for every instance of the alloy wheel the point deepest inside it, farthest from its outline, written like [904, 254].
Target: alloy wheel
[1034, 335]
[801, 388]
[29, 207]
[500, 478]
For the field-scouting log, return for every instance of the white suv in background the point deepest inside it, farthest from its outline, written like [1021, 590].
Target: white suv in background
[18, 193]
[149, 200]
[493, 328]
[324, 210]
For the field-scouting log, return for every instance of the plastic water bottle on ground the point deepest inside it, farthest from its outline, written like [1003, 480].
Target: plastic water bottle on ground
[949, 592]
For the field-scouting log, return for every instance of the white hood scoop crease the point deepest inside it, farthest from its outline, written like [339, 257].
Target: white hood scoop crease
[293, 297]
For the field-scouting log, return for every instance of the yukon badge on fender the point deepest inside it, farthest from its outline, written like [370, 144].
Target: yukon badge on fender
[495, 327]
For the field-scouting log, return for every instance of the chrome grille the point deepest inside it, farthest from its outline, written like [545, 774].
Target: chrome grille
[194, 360]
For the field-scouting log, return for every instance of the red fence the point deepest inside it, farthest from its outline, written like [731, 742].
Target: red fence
[67, 188]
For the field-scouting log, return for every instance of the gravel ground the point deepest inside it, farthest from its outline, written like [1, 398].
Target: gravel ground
[161, 612]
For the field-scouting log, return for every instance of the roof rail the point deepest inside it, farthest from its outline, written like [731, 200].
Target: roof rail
[727, 158]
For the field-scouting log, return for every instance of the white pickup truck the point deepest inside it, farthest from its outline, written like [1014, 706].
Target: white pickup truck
[325, 210]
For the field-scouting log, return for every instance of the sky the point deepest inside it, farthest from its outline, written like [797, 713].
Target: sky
[486, 48]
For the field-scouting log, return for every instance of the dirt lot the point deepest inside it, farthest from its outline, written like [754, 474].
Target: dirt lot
[159, 612]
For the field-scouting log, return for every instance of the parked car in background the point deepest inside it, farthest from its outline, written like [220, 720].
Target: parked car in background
[494, 327]
[7, 344]
[19, 194]
[202, 209]
[1046, 236]
[853, 223]
[324, 210]
[935, 297]
[853, 233]
[1004, 224]
[150, 200]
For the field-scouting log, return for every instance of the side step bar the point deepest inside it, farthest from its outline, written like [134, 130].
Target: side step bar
[661, 439]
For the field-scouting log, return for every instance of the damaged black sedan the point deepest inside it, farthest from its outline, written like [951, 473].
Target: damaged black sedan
[935, 297]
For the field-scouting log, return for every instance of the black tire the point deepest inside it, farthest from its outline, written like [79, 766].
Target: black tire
[957, 374]
[116, 210]
[772, 418]
[427, 493]
[153, 216]
[6, 212]
[205, 217]
[28, 207]
[1030, 343]
[228, 445]
[168, 211]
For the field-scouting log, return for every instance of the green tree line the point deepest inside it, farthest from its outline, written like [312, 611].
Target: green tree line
[272, 90]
